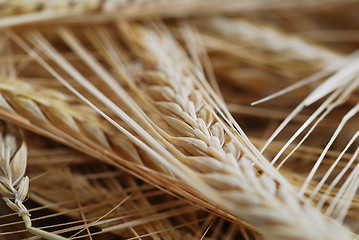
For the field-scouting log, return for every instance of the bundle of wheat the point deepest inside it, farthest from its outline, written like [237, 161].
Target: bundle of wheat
[140, 96]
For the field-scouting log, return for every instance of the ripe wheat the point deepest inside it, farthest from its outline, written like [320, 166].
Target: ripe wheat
[211, 156]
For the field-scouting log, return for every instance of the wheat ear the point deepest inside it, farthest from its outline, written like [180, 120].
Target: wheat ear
[79, 127]
[280, 48]
[14, 185]
[209, 144]
[213, 158]
[49, 108]
[21, 95]
[211, 149]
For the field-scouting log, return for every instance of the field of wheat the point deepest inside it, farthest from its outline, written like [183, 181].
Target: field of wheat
[179, 119]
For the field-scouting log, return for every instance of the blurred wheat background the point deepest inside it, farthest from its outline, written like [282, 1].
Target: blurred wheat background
[182, 119]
